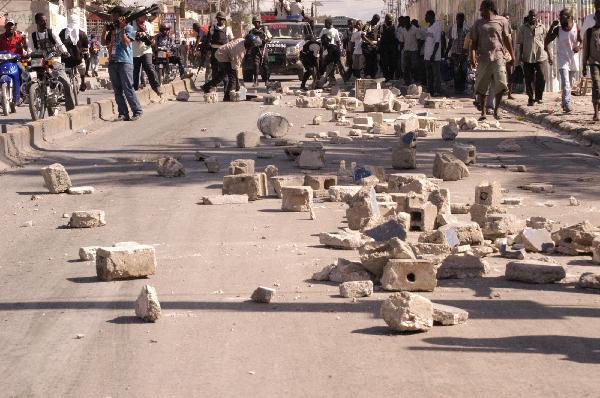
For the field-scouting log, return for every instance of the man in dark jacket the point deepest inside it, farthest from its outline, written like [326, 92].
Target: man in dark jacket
[77, 44]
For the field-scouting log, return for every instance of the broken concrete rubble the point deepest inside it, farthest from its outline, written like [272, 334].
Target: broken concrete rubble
[589, 280]
[56, 178]
[535, 240]
[299, 199]
[460, 266]
[312, 157]
[450, 131]
[378, 100]
[87, 219]
[88, 253]
[465, 152]
[362, 207]
[241, 166]
[356, 289]
[224, 199]
[534, 272]
[346, 271]
[409, 275]
[273, 125]
[263, 295]
[253, 185]
[129, 260]
[343, 193]
[407, 311]
[248, 139]
[169, 167]
[462, 233]
[85, 190]
[392, 228]
[488, 194]
[212, 164]
[446, 315]
[500, 225]
[147, 306]
[347, 239]
[575, 239]
[448, 167]
[279, 182]
[320, 182]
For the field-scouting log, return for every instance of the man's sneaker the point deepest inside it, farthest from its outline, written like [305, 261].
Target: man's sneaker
[530, 102]
[122, 118]
[82, 87]
[135, 117]
[567, 109]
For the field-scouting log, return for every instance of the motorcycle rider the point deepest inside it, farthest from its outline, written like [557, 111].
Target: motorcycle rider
[219, 34]
[230, 58]
[257, 54]
[77, 43]
[47, 41]
[142, 54]
[12, 40]
[163, 40]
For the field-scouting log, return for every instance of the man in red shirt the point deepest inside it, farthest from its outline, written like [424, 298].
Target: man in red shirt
[12, 40]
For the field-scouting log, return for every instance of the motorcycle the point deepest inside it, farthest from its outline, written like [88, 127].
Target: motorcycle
[10, 82]
[46, 93]
[166, 73]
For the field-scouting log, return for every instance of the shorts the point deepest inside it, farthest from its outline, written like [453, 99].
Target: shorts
[358, 61]
[491, 72]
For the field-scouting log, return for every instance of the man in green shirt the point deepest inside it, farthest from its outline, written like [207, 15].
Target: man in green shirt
[534, 58]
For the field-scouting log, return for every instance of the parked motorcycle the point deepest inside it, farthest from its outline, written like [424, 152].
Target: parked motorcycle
[166, 72]
[46, 92]
[10, 82]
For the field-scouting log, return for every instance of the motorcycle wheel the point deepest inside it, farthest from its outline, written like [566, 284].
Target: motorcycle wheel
[37, 101]
[5, 100]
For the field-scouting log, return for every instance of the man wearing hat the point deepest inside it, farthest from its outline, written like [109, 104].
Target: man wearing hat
[219, 34]
[12, 40]
[257, 54]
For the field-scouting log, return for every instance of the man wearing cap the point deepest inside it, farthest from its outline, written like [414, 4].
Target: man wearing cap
[257, 54]
[119, 37]
[12, 40]
[142, 53]
[219, 34]
[230, 58]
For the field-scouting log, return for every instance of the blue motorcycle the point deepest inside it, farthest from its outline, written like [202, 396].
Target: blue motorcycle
[10, 82]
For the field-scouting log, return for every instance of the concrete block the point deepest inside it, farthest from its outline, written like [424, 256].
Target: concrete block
[309, 102]
[80, 117]
[363, 121]
[125, 261]
[87, 219]
[378, 100]
[85, 190]
[461, 266]
[534, 272]
[387, 230]
[88, 253]
[320, 182]
[253, 185]
[298, 198]
[147, 306]
[56, 178]
[423, 218]
[311, 158]
[279, 182]
[410, 182]
[107, 109]
[348, 271]
[488, 194]
[362, 207]
[345, 240]
[406, 123]
[212, 164]
[535, 240]
[589, 280]
[409, 275]
[405, 311]
[248, 139]
[343, 193]
[241, 166]
[448, 167]
[404, 158]
[466, 153]
[356, 289]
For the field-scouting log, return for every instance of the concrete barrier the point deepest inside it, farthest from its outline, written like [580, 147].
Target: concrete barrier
[17, 143]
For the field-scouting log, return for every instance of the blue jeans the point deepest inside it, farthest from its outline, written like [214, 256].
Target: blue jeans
[121, 77]
[565, 77]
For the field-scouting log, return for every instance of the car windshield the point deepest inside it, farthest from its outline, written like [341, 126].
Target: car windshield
[287, 31]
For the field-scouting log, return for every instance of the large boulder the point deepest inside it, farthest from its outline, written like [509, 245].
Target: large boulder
[273, 125]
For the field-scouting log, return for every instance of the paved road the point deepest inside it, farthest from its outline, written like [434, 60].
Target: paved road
[537, 341]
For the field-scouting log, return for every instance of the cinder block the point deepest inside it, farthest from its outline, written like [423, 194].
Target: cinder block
[488, 194]
[253, 185]
[422, 218]
[125, 261]
[298, 199]
[320, 182]
[409, 275]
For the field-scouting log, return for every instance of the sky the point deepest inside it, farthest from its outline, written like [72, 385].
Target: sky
[361, 9]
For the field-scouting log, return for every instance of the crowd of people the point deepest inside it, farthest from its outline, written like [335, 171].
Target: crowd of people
[479, 57]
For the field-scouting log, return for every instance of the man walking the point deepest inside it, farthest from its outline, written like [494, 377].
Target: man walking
[142, 54]
[490, 36]
[433, 54]
[409, 45]
[530, 39]
[120, 65]
[457, 52]
[591, 57]
[567, 49]
[370, 38]
[94, 50]
[218, 35]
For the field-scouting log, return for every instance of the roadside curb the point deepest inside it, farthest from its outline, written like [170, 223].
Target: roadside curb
[585, 136]
[18, 143]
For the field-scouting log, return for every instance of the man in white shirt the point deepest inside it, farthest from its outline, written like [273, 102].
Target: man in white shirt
[296, 9]
[409, 43]
[589, 21]
[432, 53]
[332, 32]
[142, 54]
[358, 59]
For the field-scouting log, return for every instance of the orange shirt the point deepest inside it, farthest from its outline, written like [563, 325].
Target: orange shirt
[14, 43]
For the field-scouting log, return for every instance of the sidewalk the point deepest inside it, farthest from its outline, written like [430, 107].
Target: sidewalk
[578, 123]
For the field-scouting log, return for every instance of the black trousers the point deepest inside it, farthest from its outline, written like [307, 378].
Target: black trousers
[371, 65]
[144, 62]
[389, 60]
[535, 79]
[411, 62]
[226, 74]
